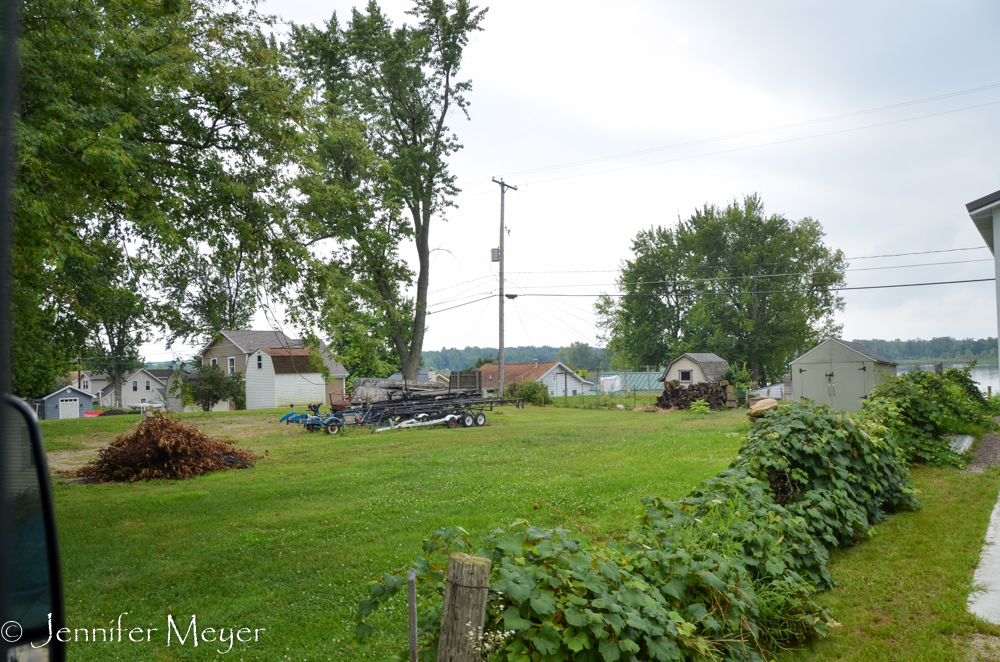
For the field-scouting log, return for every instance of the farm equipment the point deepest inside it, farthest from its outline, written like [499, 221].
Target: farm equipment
[314, 421]
[404, 410]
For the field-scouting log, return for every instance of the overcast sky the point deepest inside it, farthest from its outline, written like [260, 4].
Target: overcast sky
[582, 105]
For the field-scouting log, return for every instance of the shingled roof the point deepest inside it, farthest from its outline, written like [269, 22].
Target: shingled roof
[250, 341]
[861, 349]
[713, 365]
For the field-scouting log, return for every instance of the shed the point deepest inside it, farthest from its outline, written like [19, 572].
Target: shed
[67, 402]
[839, 373]
[696, 368]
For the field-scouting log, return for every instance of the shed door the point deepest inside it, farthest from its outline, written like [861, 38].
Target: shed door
[69, 408]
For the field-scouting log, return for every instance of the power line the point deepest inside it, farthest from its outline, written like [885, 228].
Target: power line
[753, 132]
[768, 144]
[803, 290]
[812, 290]
[755, 277]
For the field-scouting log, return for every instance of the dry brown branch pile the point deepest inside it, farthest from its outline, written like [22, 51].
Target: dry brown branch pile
[718, 396]
[162, 447]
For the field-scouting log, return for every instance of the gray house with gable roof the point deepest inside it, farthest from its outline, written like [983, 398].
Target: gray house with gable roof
[695, 368]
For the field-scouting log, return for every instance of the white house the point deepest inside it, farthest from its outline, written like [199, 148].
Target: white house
[279, 371]
[560, 379]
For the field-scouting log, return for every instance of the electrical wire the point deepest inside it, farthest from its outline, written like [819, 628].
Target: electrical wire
[830, 289]
[721, 278]
[767, 144]
[753, 132]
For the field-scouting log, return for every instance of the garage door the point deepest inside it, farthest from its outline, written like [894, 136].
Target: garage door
[69, 407]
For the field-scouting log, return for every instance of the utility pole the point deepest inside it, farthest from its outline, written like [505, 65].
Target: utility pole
[503, 191]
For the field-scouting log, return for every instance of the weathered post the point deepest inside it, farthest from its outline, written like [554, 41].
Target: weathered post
[411, 599]
[464, 610]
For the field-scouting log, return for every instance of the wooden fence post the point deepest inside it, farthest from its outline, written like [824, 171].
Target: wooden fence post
[464, 610]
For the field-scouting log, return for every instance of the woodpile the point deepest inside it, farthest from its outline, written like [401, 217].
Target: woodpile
[719, 395]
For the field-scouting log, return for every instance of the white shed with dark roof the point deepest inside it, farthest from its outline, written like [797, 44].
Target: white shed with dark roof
[839, 373]
[695, 368]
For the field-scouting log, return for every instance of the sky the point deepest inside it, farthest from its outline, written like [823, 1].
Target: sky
[879, 120]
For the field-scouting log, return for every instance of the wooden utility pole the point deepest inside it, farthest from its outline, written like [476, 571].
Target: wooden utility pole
[503, 191]
[466, 588]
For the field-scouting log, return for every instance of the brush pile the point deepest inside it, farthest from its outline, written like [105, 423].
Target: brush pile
[718, 396]
[162, 447]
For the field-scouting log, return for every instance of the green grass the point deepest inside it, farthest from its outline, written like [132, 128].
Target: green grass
[291, 544]
[902, 593]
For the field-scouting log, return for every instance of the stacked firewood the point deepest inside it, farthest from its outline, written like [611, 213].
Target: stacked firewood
[719, 395]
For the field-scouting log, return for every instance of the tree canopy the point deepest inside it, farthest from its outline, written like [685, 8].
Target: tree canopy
[158, 127]
[750, 287]
[398, 85]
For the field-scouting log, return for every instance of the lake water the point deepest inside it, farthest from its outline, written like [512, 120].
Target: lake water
[986, 374]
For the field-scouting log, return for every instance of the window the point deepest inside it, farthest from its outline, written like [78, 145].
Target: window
[685, 376]
[215, 361]
[260, 362]
[135, 386]
[574, 391]
[232, 364]
[147, 384]
[86, 385]
[143, 400]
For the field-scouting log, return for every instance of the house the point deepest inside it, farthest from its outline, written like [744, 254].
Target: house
[560, 379]
[279, 371]
[144, 386]
[86, 380]
[839, 373]
[695, 368]
[66, 402]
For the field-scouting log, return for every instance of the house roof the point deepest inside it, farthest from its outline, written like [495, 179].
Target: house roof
[161, 373]
[251, 341]
[713, 365]
[981, 211]
[513, 372]
[860, 349]
[79, 391]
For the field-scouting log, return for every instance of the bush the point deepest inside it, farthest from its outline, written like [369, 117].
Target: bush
[162, 447]
[699, 406]
[531, 392]
[931, 406]
[726, 573]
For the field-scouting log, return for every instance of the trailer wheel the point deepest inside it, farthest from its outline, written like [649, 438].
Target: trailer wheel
[452, 424]
[333, 427]
[468, 420]
[480, 419]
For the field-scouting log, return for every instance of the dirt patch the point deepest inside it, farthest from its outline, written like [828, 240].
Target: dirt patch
[984, 648]
[987, 454]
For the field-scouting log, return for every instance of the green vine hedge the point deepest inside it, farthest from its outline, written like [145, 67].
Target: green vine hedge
[727, 573]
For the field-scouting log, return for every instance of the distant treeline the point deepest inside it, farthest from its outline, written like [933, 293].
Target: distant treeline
[935, 349]
[578, 355]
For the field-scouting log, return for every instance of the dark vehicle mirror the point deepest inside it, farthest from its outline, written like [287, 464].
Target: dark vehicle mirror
[34, 579]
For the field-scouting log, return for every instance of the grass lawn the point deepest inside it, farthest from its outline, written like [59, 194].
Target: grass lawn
[902, 593]
[291, 544]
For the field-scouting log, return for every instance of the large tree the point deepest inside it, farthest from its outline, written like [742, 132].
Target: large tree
[751, 287]
[114, 308]
[764, 285]
[645, 325]
[402, 84]
[175, 122]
